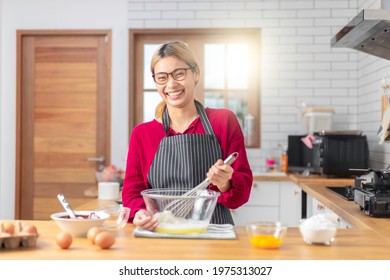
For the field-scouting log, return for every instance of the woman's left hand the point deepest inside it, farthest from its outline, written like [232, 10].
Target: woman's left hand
[220, 175]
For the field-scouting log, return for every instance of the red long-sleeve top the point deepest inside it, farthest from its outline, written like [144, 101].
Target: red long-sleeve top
[145, 139]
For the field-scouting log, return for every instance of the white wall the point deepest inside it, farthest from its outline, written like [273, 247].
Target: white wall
[370, 70]
[297, 63]
[59, 14]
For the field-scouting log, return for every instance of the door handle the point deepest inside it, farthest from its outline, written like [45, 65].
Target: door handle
[100, 159]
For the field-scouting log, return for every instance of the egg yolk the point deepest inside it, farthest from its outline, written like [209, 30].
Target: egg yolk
[266, 241]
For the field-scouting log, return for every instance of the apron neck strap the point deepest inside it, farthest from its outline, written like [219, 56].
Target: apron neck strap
[202, 114]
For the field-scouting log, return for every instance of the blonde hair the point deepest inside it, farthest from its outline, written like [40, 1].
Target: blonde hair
[177, 49]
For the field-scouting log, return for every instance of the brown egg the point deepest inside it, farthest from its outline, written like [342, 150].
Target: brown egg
[9, 227]
[30, 229]
[92, 232]
[104, 240]
[64, 240]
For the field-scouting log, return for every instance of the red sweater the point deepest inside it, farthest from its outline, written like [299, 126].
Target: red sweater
[144, 142]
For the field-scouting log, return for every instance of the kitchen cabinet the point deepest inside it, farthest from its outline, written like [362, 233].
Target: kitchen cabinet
[314, 207]
[271, 201]
[290, 203]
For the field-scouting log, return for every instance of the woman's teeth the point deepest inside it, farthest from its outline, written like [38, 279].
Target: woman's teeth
[174, 93]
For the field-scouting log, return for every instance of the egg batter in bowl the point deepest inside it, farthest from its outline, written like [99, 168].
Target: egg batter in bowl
[178, 212]
[173, 225]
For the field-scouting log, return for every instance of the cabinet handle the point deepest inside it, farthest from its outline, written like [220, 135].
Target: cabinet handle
[320, 207]
[254, 185]
[296, 192]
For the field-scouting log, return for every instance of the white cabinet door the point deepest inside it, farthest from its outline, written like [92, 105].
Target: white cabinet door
[318, 208]
[290, 203]
[263, 204]
[264, 193]
[271, 201]
[246, 214]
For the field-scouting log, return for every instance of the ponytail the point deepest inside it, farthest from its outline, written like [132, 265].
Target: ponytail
[160, 108]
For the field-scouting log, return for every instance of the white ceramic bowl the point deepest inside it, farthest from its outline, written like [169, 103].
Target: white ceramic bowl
[79, 227]
[320, 233]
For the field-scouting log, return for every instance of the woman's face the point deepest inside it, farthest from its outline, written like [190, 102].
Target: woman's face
[176, 93]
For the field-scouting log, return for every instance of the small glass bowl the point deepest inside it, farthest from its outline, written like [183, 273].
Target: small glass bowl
[266, 235]
[119, 216]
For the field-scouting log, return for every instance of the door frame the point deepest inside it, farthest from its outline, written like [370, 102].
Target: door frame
[25, 205]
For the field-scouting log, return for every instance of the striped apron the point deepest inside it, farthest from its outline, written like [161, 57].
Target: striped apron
[182, 161]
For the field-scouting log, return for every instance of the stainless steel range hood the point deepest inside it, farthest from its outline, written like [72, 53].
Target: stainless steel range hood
[367, 32]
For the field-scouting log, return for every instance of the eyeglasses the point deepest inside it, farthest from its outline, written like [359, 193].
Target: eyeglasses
[178, 74]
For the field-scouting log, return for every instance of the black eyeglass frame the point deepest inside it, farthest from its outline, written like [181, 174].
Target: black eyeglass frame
[171, 73]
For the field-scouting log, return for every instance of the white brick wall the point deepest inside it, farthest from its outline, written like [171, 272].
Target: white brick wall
[297, 61]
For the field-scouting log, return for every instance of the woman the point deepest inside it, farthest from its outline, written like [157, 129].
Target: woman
[184, 135]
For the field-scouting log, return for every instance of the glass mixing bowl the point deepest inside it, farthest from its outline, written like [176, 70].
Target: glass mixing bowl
[179, 213]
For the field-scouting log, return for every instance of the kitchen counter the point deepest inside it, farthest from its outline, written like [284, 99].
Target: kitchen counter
[348, 210]
[315, 185]
[349, 244]
[299, 179]
[354, 244]
[368, 239]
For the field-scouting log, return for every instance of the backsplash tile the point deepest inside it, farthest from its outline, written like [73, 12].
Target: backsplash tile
[297, 63]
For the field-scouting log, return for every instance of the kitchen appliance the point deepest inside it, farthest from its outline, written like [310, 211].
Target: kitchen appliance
[340, 153]
[373, 195]
[345, 192]
[299, 156]
[334, 153]
[368, 31]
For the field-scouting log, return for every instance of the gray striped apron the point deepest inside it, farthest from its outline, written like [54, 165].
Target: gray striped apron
[182, 161]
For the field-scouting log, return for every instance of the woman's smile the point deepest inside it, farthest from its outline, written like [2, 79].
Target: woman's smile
[174, 94]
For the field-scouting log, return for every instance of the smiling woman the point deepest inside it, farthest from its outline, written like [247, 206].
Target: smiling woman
[229, 60]
[184, 143]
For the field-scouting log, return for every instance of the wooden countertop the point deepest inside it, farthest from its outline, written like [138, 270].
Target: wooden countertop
[348, 210]
[349, 244]
[315, 185]
[369, 239]
[312, 178]
[352, 244]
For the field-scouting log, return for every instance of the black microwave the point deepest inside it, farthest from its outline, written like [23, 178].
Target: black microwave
[333, 155]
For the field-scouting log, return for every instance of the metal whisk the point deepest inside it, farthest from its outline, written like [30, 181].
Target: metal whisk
[182, 206]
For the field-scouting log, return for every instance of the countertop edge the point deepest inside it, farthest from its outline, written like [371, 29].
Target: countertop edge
[349, 211]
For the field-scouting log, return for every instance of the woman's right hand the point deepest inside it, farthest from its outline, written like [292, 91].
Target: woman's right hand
[144, 220]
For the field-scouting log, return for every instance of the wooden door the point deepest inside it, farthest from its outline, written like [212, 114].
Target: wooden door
[63, 117]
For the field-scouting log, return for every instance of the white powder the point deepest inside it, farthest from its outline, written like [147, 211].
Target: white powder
[321, 222]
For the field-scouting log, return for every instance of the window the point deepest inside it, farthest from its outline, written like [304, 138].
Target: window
[229, 67]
